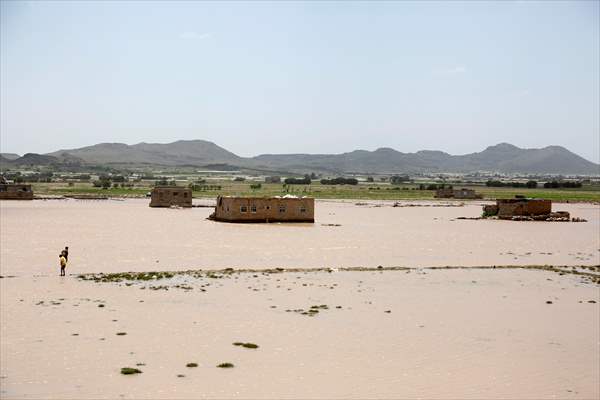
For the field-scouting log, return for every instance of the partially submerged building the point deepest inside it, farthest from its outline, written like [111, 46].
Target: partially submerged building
[523, 208]
[463, 193]
[169, 196]
[264, 209]
[14, 191]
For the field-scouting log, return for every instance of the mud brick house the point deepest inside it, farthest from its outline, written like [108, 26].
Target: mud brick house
[457, 194]
[167, 196]
[264, 209]
[519, 206]
[15, 191]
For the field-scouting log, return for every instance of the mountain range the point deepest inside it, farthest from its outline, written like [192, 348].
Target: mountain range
[502, 158]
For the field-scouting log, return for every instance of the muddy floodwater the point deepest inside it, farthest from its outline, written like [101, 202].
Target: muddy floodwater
[110, 236]
[419, 332]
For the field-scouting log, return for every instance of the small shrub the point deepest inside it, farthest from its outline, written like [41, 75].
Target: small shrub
[130, 371]
[191, 365]
[225, 365]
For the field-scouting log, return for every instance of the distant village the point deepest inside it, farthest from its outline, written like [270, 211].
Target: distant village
[292, 208]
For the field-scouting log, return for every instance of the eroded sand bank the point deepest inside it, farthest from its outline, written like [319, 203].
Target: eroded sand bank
[111, 236]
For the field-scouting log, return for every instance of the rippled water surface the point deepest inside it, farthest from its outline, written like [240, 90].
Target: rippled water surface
[106, 236]
[438, 334]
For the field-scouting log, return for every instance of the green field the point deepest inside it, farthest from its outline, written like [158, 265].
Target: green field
[316, 190]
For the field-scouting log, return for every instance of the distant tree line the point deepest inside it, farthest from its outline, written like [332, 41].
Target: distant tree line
[82, 177]
[37, 177]
[298, 181]
[562, 184]
[104, 182]
[339, 181]
[528, 184]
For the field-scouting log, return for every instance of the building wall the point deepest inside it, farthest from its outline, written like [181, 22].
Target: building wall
[171, 196]
[457, 194]
[509, 208]
[264, 209]
[16, 192]
[444, 193]
[466, 194]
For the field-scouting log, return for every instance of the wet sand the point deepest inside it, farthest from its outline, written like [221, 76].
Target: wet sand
[112, 236]
[423, 333]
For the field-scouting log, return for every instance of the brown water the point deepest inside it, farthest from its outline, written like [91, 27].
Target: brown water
[106, 236]
[467, 333]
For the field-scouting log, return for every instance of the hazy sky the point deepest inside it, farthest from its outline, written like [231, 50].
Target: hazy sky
[301, 77]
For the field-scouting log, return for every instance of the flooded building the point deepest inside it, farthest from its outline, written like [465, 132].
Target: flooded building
[264, 209]
[449, 193]
[14, 191]
[523, 207]
[167, 196]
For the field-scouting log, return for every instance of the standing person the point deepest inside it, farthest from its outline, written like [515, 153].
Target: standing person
[66, 253]
[63, 263]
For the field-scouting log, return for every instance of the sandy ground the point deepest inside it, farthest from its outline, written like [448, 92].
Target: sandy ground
[110, 236]
[440, 334]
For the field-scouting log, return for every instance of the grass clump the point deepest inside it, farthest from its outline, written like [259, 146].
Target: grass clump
[246, 345]
[121, 333]
[130, 371]
[191, 365]
[225, 365]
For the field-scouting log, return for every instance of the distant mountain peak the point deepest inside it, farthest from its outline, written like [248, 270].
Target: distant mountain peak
[503, 147]
[502, 158]
[386, 150]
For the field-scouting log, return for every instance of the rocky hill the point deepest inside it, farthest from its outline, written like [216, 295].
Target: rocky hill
[9, 156]
[503, 158]
[181, 152]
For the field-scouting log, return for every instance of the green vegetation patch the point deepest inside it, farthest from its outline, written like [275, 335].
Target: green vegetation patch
[127, 276]
[130, 371]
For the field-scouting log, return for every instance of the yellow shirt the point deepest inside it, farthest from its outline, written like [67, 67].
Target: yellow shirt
[63, 262]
